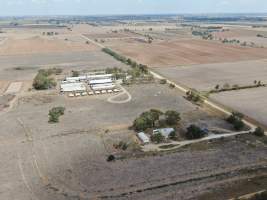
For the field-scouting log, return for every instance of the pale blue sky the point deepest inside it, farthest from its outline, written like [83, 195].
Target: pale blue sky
[92, 7]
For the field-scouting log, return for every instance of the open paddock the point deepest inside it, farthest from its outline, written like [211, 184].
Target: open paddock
[205, 77]
[251, 102]
[184, 52]
[56, 161]
[38, 45]
[24, 67]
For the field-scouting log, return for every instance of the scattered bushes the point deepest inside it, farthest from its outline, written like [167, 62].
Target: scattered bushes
[55, 113]
[43, 80]
[236, 120]
[118, 73]
[227, 87]
[194, 132]
[140, 68]
[194, 96]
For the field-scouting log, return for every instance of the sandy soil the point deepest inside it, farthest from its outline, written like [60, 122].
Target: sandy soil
[41, 45]
[67, 161]
[185, 52]
[206, 76]
[251, 102]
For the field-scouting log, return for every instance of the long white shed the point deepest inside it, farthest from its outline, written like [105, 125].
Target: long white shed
[73, 87]
[103, 86]
[100, 81]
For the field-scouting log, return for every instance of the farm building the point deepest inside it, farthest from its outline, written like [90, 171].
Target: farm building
[100, 81]
[164, 132]
[143, 138]
[103, 86]
[73, 87]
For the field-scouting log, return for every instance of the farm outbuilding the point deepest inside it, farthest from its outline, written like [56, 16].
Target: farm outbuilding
[143, 138]
[73, 87]
[103, 86]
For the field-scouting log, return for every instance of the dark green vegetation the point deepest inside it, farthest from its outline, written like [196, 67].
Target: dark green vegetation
[118, 73]
[259, 132]
[127, 61]
[236, 120]
[194, 132]
[44, 80]
[157, 138]
[194, 96]
[156, 119]
[226, 87]
[55, 113]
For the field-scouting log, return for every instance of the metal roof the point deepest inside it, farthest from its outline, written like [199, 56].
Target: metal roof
[72, 87]
[100, 81]
[103, 86]
[143, 137]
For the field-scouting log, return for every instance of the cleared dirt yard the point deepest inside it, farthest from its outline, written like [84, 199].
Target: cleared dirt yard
[185, 52]
[68, 160]
[205, 77]
[251, 102]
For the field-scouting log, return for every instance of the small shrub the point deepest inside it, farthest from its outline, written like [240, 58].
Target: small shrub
[163, 81]
[172, 85]
[111, 158]
[259, 132]
[55, 113]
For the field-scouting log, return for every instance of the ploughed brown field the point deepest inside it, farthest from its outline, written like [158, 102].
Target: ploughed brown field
[185, 52]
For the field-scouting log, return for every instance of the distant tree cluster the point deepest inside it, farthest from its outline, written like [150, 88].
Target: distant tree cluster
[150, 118]
[50, 33]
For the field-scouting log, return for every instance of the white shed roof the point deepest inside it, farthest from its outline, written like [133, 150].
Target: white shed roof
[72, 87]
[103, 86]
[100, 76]
[143, 137]
[100, 81]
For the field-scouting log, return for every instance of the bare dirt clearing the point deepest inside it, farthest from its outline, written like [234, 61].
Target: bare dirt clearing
[56, 161]
[205, 77]
[185, 52]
